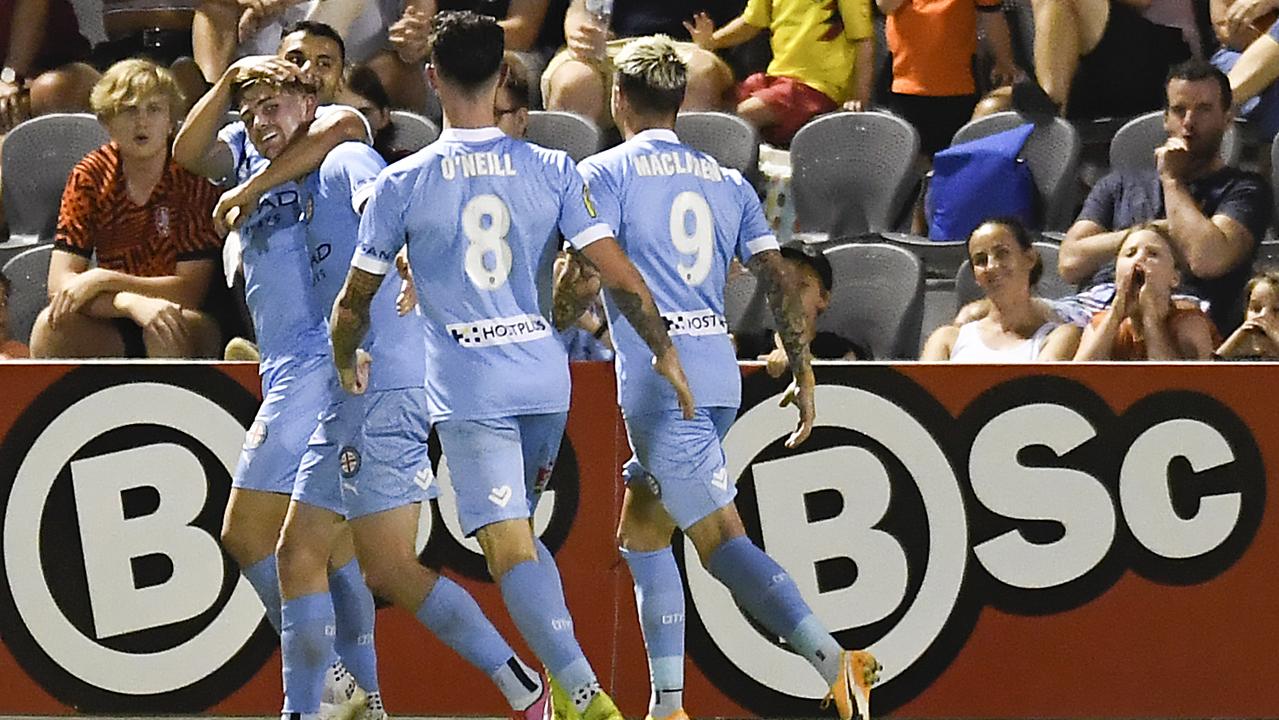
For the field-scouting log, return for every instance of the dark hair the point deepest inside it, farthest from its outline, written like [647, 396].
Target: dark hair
[516, 80]
[652, 75]
[466, 47]
[816, 261]
[361, 80]
[1195, 70]
[6, 287]
[319, 29]
[1017, 228]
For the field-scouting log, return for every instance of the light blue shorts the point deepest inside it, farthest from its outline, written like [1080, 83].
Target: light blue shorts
[294, 394]
[500, 467]
[682, 461]
[368, 455]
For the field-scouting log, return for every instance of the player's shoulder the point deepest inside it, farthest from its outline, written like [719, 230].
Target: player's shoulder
[612, 159]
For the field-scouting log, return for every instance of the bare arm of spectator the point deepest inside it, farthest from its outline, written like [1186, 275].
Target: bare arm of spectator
[582, 34]
[863, 76]
[304, 154]
[26, 33]
[994, 26]
[1256, 69]
[736, 32]
[213, 36]
[1098, 341]
[1192, 334]
[1087, 247]
[940, 344]
[1211, 246]
[1244, 14]
[75, 287]
[522, 23]
[1060, 344]
[337, 15]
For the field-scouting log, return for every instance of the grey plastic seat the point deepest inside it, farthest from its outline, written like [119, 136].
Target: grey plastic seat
[1052, 151]
[412, 131]
[877, 300]
[745, 307]
[576, 135]
[28, 273]
[39, 154]
[732, 141]
[1133, 147]
[1051, 285]
[852, 172]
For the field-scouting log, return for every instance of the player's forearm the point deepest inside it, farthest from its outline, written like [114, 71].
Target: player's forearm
[307, 151]
[736, 32]
[195, 141]
[783, 295]
[350, 320]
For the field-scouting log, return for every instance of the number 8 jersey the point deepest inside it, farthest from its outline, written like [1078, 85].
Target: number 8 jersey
[681, 218]
[481, 213]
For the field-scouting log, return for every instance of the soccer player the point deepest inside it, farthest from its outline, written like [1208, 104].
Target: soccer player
[296, 387]
[660, 194]
[479, 212]
[368, 462]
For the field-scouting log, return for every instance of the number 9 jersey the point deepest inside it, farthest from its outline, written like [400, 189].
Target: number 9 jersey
[481, 214]
[681, 218]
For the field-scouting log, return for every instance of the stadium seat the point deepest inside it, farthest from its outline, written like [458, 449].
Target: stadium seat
[39, 154]
[732, 141]
[570, 132]
[852, 172]
[1051, 284]
[941, 258]
[878, 299]
[745, 307]
[412, 131]
[28, 271]
[1052, 153]
[1267, 256]
[1133, 147]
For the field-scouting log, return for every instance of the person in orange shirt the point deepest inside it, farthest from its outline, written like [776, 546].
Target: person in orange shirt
[149, 223]
[823, 57]
[10, 349]
[933, 44]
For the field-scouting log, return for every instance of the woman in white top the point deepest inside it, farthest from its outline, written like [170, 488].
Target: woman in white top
[1016, 326]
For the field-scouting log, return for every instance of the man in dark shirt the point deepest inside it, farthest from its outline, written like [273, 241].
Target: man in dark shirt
[1215, 214]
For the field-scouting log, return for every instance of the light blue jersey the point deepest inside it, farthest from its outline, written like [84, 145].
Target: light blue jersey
[247, 160]
[480, 212]
[681, 218]
[339, 190]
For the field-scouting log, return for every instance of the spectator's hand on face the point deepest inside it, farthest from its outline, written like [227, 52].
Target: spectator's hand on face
[408, 35]
[702, 29]
[1172, 159]
[1126, 289]
[161, 318]
[1266, 324]
[1154, 301]
[82, 288]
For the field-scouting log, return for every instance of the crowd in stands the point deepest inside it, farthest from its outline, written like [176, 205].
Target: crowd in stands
[1161, 257]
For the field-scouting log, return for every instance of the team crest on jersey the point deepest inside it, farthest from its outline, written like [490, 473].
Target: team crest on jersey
[349, 461]
[588, 201]
[162, 224]
[256, 435]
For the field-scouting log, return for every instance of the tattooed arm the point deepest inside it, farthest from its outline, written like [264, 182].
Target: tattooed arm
[631, 295]
[783, 293]
[348, 326]
[576, 287]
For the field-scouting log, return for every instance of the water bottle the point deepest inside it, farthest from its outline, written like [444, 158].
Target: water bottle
[601, 11]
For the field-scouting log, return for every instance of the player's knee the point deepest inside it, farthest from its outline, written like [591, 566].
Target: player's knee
[239, 542]
[300, 559]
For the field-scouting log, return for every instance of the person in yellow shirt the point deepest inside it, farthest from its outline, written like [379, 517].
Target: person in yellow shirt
[822, 58]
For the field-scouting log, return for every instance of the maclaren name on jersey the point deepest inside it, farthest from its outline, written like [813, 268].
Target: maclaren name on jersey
[477, 164]
[677, 163]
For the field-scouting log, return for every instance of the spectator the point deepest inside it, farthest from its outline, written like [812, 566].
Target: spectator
[1105, 58]
[147, 221]
[363, 91]
[160, 32]
[579, 77]
[1144, 322]
[1016, 326]
[44, 68]
[1250, 24]
[933, 84]
[823, 55]
[1258, 336]
[10, 349]
[1260, 108]
[817, 281]
[1215, 214]
[511, 106]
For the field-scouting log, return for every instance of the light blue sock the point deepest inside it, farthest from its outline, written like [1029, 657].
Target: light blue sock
[659, 596]
[769, 594]
[452, 615]
[535, 601]
[354, 608]
[306, 641]
[265, 579]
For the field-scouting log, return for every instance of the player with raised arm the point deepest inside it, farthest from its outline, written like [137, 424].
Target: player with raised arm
[282, 139]
[368, 462]
[660, 193]
[480, 213]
